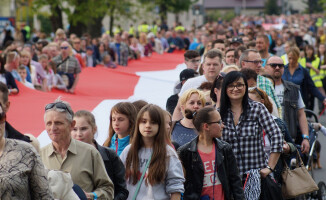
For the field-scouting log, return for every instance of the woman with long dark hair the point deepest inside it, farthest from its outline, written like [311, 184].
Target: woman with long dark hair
[244, 122]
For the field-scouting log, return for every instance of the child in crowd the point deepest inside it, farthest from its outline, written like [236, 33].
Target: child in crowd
[107, 62]
[164, 178]
[23, 74]
[49, 74]
[122, 122]
[210, 165]
[85, 130]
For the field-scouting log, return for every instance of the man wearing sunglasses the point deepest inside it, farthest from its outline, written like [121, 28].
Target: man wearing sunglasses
[81, 160]
[10, 132]
[291, 101]
[251, 59]
[67, 65]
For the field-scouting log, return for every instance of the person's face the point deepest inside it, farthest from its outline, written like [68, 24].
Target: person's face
[83, 131]
[57, 126]
[44, 63]
[194, 103]
[275, 71]
[5, 105]
[236, 90]
[193, 63]
[24, 60]
[212, 67]
[22, 73]
[254, 97]
[235, 45]
[229, 58]
[53, 52]
[76, 44]
[253, 62]
[322, 48]
[293, 59]
[215, 128]
[260, 44]
[245, 40]
[252, 82]
[120, 123]
[220, 47]
[167, 120]
[209, 46]
[64, 47]
[309, 52]
[147, 128]
[89, 52]
[2, 123]
[221, 37]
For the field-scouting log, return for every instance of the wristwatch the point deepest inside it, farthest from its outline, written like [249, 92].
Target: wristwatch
[305, 137]
[268, 167]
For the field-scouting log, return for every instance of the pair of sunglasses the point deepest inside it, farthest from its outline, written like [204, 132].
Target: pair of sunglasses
[59, 105]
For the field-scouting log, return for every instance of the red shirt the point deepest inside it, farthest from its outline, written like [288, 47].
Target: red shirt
[209, 164]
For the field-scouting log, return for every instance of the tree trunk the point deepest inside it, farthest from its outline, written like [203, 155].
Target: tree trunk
[163, 12]
[56, 18]
[79, 29]
[176, 17]
[95, 27]
[111, 20]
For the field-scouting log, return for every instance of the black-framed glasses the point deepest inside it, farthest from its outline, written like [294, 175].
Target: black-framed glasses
[59, 105]
[274, 65]
[219, 122]
[239, 86]
[256, 62]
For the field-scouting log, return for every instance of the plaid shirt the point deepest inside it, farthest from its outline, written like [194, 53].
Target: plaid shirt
[266, 85]
[246, 138]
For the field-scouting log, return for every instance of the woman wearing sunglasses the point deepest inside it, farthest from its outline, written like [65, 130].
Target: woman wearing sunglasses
[22, 174]
[244, 121]
[209, 163]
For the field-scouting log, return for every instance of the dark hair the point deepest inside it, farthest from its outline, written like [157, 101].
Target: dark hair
[218, 41]
[228, 50]
[200, 116]
[205, 86]
[5, 92]
[249, 73]
[225, 103]
[313, 57]
[251, 44]
[190, 54]
[237, 51]
[216, 84]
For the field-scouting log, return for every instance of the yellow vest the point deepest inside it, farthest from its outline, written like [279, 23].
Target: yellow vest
[314, 76]
[284, 58]
[179, 28]
[132, 31]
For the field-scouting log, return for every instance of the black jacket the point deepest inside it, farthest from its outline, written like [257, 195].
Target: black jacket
[227, 170]
[14, 134]
[116, 171]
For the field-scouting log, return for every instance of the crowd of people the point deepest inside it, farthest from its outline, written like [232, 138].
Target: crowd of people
[236, 112]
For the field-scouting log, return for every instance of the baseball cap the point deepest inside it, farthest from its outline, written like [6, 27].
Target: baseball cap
[185, 75]
[237, 40]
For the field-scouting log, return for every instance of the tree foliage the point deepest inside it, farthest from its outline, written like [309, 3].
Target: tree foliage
[165, 6]
[271, 7]
[84, 15]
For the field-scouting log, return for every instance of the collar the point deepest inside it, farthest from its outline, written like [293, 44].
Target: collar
[72, 148]
[193, 144]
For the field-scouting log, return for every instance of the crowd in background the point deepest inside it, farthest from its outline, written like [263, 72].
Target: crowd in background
[237, 108]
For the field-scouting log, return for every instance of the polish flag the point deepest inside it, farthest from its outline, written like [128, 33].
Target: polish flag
[99, 89]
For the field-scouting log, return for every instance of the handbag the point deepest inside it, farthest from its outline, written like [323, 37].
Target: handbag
[270, 189]
[141, 178]
[297, 181]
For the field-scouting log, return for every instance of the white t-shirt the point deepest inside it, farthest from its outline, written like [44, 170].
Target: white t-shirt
[279, 92]
[174, 177]
[193, 83]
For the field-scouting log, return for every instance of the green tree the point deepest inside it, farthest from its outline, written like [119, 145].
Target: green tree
[271, 7]
[84, 15]
[315, 6]
[165, 6]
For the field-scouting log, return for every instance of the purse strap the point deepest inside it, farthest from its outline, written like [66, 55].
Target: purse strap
[141, 178]
[298, 158]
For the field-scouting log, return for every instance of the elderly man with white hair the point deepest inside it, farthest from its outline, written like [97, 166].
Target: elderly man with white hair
[81, 160]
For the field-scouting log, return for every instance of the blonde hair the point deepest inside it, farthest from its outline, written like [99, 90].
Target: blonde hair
[187, 94]
[295, 52]
[230, 68]
[143, 39]
[11, 57]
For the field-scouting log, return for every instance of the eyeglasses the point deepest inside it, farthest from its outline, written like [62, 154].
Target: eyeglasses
[208, 103]
[219, 122]
[64, 47]
[194, 61]
[256, 62]
[238, 86]
[59, 105]
[274, 65]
